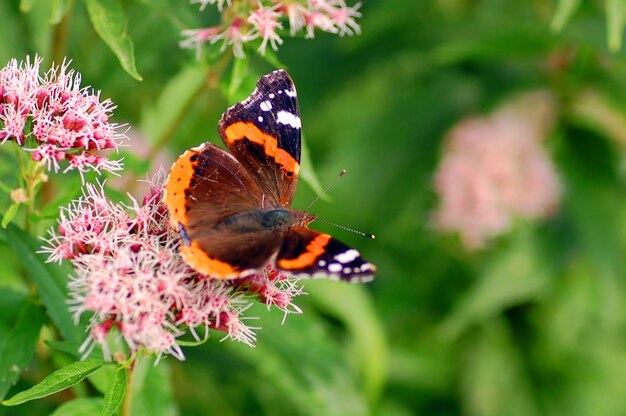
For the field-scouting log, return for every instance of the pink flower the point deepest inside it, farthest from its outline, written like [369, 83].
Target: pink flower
[246, 21]
[55, 115]
[265, 24]
[495, 169]
[196, 38]
[204, 3]
[343, 18]
[129, 276]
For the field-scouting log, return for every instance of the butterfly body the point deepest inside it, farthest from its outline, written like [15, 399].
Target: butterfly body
[233, 208]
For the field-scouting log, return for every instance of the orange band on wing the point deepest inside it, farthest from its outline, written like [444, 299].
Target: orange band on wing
[312, 251]
[240, 129]
[177, 182]
[197, 258]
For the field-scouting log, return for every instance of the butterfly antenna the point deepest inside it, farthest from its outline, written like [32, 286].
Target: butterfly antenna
[325, 191]
[343, 227]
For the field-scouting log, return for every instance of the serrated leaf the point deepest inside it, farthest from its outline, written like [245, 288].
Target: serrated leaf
[9, 215]
[82, 406]
[565, 9]
[17, 344]
[59, 10]
[49, 278]
[116, 389]
[59, 380]
[109, 20]
[616, 19]
[159, 121]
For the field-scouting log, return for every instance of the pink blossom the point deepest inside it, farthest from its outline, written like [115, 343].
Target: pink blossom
[246, 21]
[495, 169]
[265, 24]
[64, 121]
[129, 276]
[343, 18]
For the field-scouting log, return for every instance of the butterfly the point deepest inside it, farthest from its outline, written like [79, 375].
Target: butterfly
[232, 208]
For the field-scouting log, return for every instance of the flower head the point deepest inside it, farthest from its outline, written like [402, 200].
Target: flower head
[247, 21]
[129, 276]
[495, 169]
[265, 22]
[55, 119]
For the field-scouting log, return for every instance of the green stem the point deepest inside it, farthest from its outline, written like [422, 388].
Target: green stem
[128, 398]
[59, 37]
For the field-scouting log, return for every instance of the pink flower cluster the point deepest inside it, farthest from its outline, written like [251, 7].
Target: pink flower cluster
[245, 21]
[55, 119]
[494, 169]
[131, 278]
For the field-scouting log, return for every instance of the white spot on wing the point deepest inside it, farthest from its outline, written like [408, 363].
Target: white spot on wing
[285, 117]
[334, 267]
[322, 263]
[290, 93]
[266, 106]
[272, 95]
[347, 256]
[260, 119]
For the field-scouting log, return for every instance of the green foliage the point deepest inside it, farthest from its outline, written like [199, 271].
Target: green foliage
[57, 381]
[534, 323]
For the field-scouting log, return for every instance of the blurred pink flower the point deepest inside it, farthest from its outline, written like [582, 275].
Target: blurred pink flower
[494, 169]
[55, 119]
[265, 23]
[247, 21]
[129, 276]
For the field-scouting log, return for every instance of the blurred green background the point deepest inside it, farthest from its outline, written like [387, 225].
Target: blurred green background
[533, 324]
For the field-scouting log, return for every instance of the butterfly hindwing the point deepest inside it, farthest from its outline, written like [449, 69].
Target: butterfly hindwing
[206, 185]
[263, 132]
[309, 252]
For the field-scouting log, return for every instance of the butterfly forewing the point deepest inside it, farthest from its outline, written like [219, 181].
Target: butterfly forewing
[264, 133]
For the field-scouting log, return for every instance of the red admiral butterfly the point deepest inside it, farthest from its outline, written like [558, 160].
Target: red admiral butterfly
[233, 209]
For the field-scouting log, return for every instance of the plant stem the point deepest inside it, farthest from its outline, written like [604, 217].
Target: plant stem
[128, 401]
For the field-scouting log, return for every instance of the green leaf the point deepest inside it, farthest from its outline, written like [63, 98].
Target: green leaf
[238, 75]
[151, 389]
[159, 121]
[308, 173]
[303, 364]
[50, 280]
[59, 380]
[82, 406]
[493, 378]
[516, 274]
[26, 5]
[109, 20]
[9, 215]
[71, 347]
[18, 341]
[59, 10]
[565, 9]
[616, 19]
[352, 305]
[116, 389]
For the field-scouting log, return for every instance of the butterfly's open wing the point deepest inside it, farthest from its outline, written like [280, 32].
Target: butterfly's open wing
[206, 185]
[263, 132]
[312, 253]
